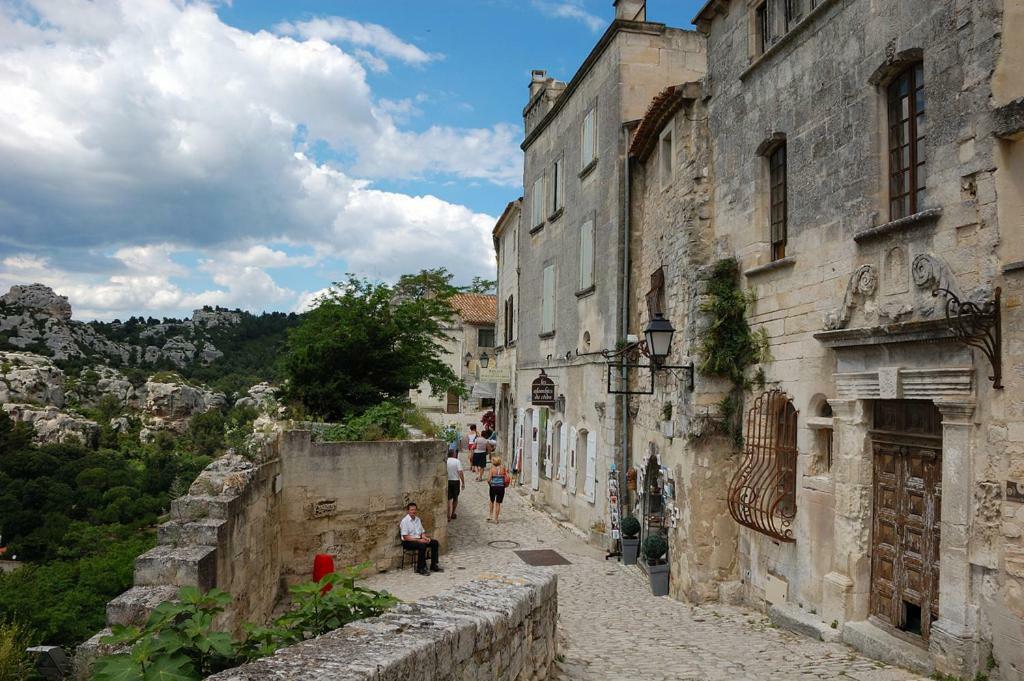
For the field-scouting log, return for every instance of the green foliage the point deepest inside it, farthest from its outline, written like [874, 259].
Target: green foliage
[15, 663]
[382, 422]
[654, 548]
[206, 432]
[449, 434]
[367, 343]
[415, 417]
[729, 347]
[481, 285]
[178, 641]
[630, 527]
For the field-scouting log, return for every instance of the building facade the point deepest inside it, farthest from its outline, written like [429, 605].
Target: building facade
[571, 259]
[506, 249]
[865, 187]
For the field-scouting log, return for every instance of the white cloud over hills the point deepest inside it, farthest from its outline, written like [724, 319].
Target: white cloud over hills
[131, 131]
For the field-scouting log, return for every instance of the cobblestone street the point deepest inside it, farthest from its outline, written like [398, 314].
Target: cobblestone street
[611, 627]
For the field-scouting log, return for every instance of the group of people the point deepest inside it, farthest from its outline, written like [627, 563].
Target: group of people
[480, 446]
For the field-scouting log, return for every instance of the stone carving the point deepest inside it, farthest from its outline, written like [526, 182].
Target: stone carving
[863, 282]
[323, 508]
[895, 271]
[931, 272]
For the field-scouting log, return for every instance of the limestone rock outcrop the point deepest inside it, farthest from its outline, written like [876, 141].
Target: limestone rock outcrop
[95, 383]
[170, 402]
[38, 298]
[26, 377]
[262, 396]
[54, 426]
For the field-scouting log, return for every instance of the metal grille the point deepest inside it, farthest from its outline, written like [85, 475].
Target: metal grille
[762, 494]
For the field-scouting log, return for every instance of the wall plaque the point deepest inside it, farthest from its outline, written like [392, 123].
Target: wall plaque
[542, 391]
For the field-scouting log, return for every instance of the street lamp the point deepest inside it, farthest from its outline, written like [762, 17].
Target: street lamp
[659, 334]
[484, 360]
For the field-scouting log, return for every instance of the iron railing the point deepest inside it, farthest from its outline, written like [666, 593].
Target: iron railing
[762, 493]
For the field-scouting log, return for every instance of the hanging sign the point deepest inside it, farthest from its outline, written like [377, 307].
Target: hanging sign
[494, 375]
[542, 391]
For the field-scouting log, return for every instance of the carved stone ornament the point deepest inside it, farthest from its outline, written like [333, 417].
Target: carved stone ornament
[863, 282]
[931, 272]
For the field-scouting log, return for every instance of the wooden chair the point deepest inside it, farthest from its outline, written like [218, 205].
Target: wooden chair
[405, 551]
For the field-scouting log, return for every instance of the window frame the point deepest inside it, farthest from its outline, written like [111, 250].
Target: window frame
[589, 118]
[479, 336]
[666, 175]
[557, 185]
[537, 202]
[762, 27]
[547, 303]
[778, 204]
[905, 179]
[586, 230]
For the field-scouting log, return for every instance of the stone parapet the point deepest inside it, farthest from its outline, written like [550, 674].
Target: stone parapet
[498, 627]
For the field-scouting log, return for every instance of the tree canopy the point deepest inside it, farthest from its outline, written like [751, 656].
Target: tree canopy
[365, 343]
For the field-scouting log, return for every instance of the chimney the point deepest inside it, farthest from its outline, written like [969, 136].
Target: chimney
[631, 10]
[538, 78]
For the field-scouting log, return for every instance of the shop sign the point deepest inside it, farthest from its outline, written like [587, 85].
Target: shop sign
[542, 391]
[494, 375]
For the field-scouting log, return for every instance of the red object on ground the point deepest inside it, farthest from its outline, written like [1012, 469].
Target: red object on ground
[323, 564]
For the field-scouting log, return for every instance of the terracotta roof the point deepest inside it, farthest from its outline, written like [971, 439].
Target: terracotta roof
[660, 111]
[476, 308]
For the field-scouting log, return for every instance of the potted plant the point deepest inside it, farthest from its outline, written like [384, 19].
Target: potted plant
[630, 540]
[655, 547]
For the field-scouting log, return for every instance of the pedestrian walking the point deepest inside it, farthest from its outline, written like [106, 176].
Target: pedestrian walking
[471, 446]
[482, 448]
[456, 482]
[498, 480]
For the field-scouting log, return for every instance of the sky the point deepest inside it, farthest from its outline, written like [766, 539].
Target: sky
[161, 155]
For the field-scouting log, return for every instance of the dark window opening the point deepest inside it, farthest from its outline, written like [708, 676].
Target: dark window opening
[656, 294]
[763, 27]
[906, 142]
[791, 10]
[509, 336]
[485, 338]
[777, 200]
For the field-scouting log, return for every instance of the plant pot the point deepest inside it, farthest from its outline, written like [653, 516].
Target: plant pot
[659, 579]
[630, 550]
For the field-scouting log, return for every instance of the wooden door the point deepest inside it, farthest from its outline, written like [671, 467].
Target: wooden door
[905, 532]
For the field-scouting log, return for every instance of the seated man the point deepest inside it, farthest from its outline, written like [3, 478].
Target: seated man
[413, 537]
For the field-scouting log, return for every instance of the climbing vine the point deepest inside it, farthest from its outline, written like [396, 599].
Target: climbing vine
[729, 348]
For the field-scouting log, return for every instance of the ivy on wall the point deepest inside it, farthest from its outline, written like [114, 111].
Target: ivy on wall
[729, 348]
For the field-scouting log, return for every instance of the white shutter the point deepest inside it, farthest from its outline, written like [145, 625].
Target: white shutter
[535, 460]
[586, 255]
[571, 481]
[517, 455]
[547, 449]
[547, 303]
[590, 485]
[563, 455]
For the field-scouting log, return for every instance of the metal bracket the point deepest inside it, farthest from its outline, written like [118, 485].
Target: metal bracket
[978, 326]
[619, 366]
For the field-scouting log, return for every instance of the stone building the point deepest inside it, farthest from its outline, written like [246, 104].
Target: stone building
[571, 258]
[470, 336]
[867, 172]
[506, 249]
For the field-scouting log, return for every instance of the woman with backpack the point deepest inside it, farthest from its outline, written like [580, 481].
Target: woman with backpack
[498, 479]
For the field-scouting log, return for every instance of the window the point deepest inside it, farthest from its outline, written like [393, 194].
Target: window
[762, 21]
[537, 203]
[777, 200]
[557, 183]
[666, 156]
[586, 255]
[588, 139]
[906, 142]
[791, 13]
[485, 338]
[547, 305]
[509, 315]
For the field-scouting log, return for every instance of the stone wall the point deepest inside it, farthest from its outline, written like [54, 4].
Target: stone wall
[347, 498]
[499, 628]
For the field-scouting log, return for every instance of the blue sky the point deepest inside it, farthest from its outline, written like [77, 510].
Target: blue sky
[157, 155]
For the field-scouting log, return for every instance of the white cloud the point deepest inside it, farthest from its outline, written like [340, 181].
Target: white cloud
[147, 127]
[368, 36]
[570, 9]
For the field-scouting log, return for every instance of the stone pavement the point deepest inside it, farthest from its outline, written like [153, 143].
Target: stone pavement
[610, 626]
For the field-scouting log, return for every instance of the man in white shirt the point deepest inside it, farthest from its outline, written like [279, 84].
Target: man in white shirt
[456, 482]
[414, 537]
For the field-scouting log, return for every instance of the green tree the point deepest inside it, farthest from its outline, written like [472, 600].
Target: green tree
[365, 343]
[481, 285]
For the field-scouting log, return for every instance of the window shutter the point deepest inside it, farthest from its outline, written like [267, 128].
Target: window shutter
[535, 458]
[563, 444]
[586, 255]
[571, 480]
[590, 485]
[548, 299]
[547, 450]
[517, 456]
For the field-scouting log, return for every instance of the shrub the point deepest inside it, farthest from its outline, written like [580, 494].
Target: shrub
[15, 663]
[382, 422]
[630, 527]
[654, 549]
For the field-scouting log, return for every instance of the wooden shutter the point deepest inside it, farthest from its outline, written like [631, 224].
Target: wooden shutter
[571, 480]
[563, 462]
[547, 450]
[590, 486]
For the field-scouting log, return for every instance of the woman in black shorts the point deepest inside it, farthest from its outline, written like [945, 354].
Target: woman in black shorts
[497, 478]
[481, 448]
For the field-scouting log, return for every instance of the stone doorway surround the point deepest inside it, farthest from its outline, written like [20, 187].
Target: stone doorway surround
[846, 590]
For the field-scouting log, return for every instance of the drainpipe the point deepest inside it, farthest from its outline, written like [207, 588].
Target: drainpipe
[624, 322]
